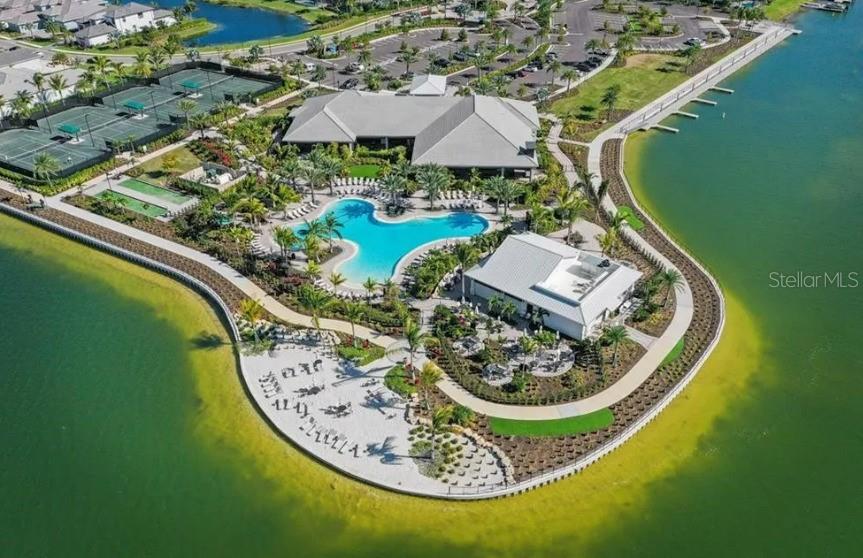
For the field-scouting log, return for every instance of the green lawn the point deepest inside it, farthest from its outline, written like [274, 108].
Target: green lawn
[310, 14]
[778, 10]
[644, 78]
[155, 172]
[364, 171]
[675, 352]
[559, 427]
[634, 222]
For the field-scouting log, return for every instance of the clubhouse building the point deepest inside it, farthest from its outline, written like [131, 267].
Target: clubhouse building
[492, 134]
[573, 290]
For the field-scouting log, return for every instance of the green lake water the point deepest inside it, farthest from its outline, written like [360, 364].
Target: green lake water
[124, 431]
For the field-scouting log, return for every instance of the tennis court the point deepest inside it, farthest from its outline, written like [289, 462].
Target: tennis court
[213, 85]
[100, 127]
[20, 147]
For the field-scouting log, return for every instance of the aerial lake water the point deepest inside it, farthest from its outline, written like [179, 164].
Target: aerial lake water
[125, 430]
[239, 25]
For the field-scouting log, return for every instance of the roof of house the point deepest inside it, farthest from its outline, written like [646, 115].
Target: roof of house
[558, 278]
[428, 84]
[76, 10]
[98, 30]
[124, 10]
[161, 13]
[464, 131]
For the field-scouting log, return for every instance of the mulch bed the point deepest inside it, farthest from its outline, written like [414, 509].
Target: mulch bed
[531, 456]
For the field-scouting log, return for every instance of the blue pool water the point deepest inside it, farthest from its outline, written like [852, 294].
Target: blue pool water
[238, 25]
[381, 244]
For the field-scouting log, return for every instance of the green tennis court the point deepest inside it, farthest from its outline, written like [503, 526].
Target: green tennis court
[156, 191]
[20, 147]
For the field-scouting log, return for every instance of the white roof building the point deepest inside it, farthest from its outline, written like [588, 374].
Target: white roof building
[428, 84]
[457, 132]
[574, 290]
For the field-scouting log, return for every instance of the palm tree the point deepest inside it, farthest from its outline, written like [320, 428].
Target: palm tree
[554, 68]
[670, 279]
[466, 255]
[527, 345]
[101, 67]
[58, 84]
[314, 301]
[569, 75]
[286, 238]
[142, 67]
[22, 104]
[331, 168]
[314, 176]
[241, 236]
[429, 376]
[186, 106]
[610, 97]
[45, 167]
[571, 205]
[440, 418]
[199, 121]
[370, 285]
[408, 57]
[541, 218]
[38, 81]
[252, 311]
[414, 337]
[330, 227]
[353, 312]
[502, 190]
[337, 279]
[434, 179]
[608, 242]
[253, 209]
[394, 184]
[313, 268]
[615, 335]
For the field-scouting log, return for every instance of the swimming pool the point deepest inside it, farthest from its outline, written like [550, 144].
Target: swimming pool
[381, 244]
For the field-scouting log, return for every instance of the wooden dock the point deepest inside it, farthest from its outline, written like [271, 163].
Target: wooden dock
[704, 101]
[686, 114]
[666, 128]
[826, 6]
[722, 89]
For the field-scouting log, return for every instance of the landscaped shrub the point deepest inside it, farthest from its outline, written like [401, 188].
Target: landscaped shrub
[398, 380]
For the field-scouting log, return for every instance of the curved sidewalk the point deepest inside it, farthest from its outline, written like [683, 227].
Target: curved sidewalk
[630, 381]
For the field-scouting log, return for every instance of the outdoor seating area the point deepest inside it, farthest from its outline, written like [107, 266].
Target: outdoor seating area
[345, 414]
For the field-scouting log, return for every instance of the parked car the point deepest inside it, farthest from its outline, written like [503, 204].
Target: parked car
[550, 56]
[461, 56]
[693, 41]
[355, 68]
[310, 67]
[350, 83]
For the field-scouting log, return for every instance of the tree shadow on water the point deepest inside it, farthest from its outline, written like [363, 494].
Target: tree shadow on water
[208, 341]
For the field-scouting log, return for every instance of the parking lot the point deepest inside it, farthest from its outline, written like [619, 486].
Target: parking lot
[576, 22]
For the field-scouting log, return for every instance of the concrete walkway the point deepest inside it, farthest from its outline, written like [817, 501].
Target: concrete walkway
[656, 352]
